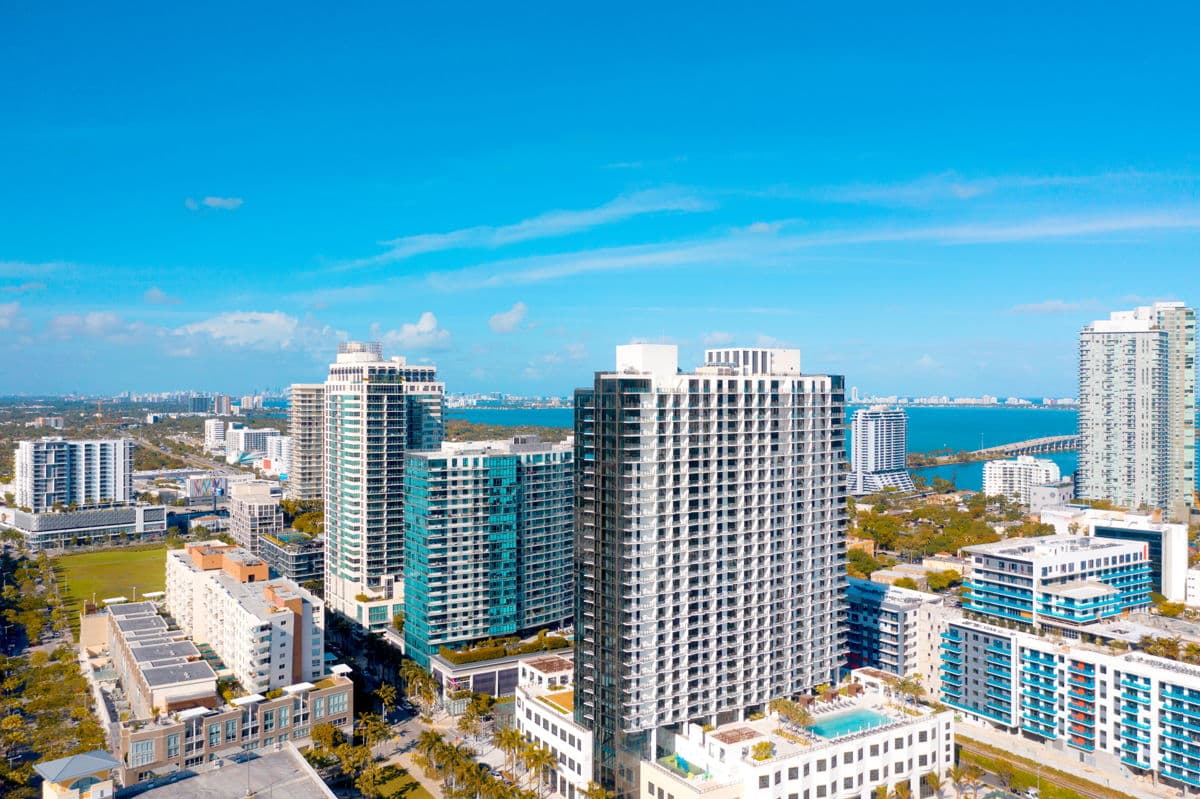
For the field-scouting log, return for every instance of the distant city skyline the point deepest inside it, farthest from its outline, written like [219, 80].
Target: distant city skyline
[882, 190]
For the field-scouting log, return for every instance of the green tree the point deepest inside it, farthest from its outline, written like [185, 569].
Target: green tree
[370, 782]
[942, 580]
[941, 485]
[326, 736]
[907, 582]
[934, 783]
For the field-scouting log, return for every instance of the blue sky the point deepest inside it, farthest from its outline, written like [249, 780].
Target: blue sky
[931, 199]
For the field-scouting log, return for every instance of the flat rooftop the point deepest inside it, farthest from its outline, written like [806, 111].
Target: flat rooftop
[266, 772]
[1050, 547]
[1080, 589]
[178, 673]
[551, 664]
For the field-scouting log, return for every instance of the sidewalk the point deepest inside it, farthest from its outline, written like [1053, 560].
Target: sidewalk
[1122, 780]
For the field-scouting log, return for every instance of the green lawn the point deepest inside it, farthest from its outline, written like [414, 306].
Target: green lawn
[402, 784]
[109, 572]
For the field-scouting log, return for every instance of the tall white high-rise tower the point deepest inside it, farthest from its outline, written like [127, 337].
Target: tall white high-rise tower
[1137, 408]
[709, 543]
[879, 443]
[376, 410]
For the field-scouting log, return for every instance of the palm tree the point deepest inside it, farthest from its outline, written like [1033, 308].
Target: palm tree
[540, 760]
[934, 782]
[428, 743]
[509, 740]
[386, 694]
[900, 791]
[974, 779]
[910, 687]
[595, 790]
[373, 729]
[958, 779]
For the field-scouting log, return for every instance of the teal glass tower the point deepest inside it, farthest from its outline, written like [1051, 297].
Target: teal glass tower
[488, 543]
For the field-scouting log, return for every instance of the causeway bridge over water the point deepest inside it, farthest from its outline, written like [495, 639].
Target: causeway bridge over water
[1033, 446]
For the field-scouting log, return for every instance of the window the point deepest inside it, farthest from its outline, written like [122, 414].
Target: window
[337, 703]
[268, 720]
[764, 781]
[214, 735]
[141, 753]
[318, 707]
[231, 729]
[283, 718]
[650, 788]
[793, 773]
[173, 745]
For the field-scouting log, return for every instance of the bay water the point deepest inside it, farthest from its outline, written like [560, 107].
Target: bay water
[929, 428]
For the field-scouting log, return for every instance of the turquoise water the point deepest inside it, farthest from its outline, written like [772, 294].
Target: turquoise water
[928, 429]
[850, 722]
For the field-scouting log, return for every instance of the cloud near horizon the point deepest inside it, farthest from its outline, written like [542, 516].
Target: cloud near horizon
[1056, 306]
[423, 334]
[510, 320]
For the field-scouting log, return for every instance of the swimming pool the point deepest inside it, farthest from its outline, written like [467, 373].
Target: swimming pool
[847, 723]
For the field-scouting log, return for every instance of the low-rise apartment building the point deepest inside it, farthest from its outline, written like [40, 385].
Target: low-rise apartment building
[189, 738]
[295, 556]
[1058, 581]
[255, 511]
[544, 713]
[1166, 543]
[895, 630]
[160, 670]
[268, 631]
[850, 748]
[1116, 711]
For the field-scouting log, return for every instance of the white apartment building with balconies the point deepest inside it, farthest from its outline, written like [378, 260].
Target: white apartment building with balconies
[306, 426]
[879, 450]
[269, 632]
[55, 471]
[254, 511]
[376, 410]
[1016, 478]
[1137, 409]
[710, 543]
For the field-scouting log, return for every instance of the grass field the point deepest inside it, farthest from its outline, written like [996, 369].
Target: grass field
[109, 572]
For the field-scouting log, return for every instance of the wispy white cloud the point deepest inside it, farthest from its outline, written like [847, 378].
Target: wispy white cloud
[510, 320]
[11, 319]
[24, 269]
[423, 334]
[24, 288]
[783, 250]
[953, 186]
[216, 203]
[156, 296]
[104, 325]
[547, 225]
[253, 329]
[1056, 307]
